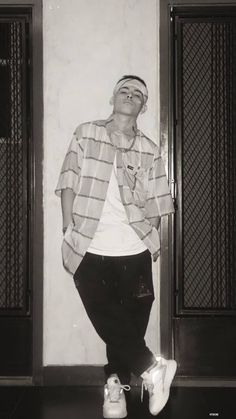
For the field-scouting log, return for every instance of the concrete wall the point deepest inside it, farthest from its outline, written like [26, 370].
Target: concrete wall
[88, 46]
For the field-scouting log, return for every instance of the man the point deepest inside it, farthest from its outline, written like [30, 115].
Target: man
[113, 192]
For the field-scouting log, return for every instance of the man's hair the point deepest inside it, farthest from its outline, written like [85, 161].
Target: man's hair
[132, 77]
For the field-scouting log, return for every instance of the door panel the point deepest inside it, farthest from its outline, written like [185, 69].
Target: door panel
[16, 346]
[205, 348]
[204, 51]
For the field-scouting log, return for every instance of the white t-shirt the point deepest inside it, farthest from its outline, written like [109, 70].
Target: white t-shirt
[114, 236]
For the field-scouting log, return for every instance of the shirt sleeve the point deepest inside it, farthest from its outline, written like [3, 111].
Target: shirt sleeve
[71, 167]
[159, 192]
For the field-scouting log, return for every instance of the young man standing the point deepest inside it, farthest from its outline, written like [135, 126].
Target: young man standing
[114, 190]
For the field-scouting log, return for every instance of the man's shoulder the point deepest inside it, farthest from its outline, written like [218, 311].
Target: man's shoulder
[148, 144]
[85, 126]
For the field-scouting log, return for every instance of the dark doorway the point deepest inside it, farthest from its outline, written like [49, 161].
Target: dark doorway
[203, 97]
[15, 195]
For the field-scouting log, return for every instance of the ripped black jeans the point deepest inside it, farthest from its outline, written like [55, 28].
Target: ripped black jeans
[117, 293]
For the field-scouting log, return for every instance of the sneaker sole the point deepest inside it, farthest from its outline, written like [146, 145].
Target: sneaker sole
[170, 373]
[114, 416]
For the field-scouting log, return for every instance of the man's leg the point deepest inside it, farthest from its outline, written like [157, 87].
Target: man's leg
[115, 310]
[135, 290]
[119, 307]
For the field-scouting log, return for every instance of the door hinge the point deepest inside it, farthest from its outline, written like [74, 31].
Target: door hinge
[174, 192]
[173, 188]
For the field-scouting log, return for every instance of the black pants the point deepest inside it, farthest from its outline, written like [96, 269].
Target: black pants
[117, 293]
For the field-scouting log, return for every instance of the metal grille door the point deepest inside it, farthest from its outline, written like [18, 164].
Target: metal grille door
[204, 134]
[13, 168]
[207, 149]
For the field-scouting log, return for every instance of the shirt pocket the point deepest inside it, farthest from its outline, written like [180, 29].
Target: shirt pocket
[136, 178]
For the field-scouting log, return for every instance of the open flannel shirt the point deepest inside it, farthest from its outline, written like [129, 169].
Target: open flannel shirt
[87, 170]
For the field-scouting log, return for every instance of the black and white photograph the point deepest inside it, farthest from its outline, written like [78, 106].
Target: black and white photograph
[117, 209]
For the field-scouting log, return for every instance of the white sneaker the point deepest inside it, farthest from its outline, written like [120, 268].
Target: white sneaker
[158, 382]
[114, 399]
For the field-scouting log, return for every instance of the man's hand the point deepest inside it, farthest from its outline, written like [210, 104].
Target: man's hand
[156, 255]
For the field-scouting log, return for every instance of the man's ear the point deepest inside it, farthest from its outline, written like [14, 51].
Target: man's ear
[111, 100]
[144, 108]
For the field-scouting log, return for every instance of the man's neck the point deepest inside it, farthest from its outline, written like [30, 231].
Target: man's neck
[124, 123]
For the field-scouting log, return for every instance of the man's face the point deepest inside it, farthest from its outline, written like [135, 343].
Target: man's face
[128, 100]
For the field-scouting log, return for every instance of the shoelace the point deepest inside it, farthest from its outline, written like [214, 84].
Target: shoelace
[115, 391]
[146, 386]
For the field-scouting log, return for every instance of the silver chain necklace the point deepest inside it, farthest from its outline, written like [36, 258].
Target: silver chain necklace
[122, 138]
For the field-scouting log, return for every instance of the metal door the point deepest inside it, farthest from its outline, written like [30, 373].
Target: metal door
[15, 285]
[204, 108]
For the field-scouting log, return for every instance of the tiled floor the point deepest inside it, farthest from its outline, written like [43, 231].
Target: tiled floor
[86, 403]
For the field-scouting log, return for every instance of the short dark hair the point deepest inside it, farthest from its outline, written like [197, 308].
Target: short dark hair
[132, 77]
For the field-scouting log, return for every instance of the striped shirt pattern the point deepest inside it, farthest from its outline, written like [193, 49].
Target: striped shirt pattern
[86, 170]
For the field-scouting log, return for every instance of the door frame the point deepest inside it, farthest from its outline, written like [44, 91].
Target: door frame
[36, 213]
[167, 126]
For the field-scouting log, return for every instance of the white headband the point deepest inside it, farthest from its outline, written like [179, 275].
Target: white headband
[134, 83]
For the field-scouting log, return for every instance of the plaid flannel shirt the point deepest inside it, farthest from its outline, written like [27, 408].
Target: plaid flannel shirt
[87, 170]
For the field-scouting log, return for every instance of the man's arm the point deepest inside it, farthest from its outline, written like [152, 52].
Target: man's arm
[67, 199]
[68, 182]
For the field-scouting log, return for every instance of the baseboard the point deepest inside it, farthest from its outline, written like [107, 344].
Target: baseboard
[15, 381]
[204, 382]
[79, 375]
[82, 375]
[93, 375]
